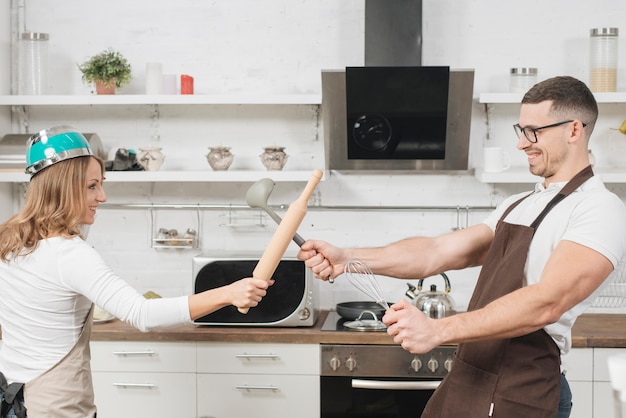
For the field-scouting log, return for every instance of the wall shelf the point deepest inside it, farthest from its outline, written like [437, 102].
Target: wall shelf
[181, 176]
[521, 175]
[516, 98]
[161, 99]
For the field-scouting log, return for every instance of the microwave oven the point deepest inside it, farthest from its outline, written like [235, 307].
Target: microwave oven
[292, 301]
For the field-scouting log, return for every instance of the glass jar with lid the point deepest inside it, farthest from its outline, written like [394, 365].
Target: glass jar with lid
[33, 63]
[522, 79]
[603, 59]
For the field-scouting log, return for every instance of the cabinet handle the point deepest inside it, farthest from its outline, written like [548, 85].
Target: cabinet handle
[257, 356]
[135, 385]
[391, 385]
[248, 388]
[134, 353]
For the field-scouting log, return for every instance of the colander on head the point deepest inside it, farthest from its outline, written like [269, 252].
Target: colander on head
[53, 145]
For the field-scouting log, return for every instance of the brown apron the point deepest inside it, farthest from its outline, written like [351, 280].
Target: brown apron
[65, 390]
[508, 378]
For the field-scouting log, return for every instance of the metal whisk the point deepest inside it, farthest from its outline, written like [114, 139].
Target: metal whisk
[361, 277]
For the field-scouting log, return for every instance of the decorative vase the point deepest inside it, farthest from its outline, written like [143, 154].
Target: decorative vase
[102, 88]
[274, 158]
[220, 158]
[151, 158]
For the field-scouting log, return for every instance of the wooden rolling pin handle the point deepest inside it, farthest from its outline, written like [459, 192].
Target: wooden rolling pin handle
[283, 235]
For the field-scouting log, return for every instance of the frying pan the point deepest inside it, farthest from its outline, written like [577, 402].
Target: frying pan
[352, 310]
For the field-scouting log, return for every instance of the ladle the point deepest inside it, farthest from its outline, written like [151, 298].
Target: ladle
[257, 196]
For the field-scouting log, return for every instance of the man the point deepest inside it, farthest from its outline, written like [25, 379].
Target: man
[544, 255]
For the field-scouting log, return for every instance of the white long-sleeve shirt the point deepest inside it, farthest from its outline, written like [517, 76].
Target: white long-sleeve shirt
[46, 296]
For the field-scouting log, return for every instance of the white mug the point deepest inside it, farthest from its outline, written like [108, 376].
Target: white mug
[496, 160]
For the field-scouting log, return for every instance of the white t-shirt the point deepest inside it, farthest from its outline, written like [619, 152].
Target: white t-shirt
[46, 296]
[591, 216]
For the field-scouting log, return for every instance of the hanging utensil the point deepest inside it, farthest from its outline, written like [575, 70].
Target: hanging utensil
[361, 277]
[257, 197]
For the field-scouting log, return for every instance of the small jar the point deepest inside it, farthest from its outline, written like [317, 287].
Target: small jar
[151, 158]
[603, 59]
[522, 79]
[220, 158]
[274, 158]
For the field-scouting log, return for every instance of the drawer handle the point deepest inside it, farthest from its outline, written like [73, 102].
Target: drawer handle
[134, 353]
[249, 388]
[257, 356]
[135, 385]
[393, 385]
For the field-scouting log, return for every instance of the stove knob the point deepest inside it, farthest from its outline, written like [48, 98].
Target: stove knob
[334, 363]
[351, 363]
[447, 364]
[416, 364]
[433, 365]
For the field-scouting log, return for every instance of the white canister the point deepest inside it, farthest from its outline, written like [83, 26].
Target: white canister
[154, 78]
[522, 79]
[33, 63]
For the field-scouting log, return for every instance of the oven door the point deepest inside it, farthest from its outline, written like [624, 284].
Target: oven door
[374, 397]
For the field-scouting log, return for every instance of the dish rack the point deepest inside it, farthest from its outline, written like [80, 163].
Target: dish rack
[614, 294]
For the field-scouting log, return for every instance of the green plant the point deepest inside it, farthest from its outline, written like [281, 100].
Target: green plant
[108, 67]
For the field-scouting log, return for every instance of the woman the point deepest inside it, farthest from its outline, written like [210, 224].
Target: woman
[51, 279]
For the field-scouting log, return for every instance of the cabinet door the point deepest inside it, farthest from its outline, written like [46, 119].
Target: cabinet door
[132, 395]
[264, 396]
[582, 399]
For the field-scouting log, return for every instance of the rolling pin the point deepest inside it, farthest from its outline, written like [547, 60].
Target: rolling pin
[283, 235]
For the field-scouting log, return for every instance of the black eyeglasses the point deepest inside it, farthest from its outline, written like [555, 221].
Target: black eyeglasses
[533, 138]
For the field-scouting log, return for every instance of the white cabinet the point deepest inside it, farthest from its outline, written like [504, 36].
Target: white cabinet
[268, 380]
[603, 405]
[578, 364]
[144, 379]
[588, 376]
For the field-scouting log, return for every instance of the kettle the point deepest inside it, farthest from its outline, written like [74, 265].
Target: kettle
[434, 304]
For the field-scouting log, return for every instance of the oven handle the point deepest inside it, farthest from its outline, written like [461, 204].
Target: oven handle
[395, 385]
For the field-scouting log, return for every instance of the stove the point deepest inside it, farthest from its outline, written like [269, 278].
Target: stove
[377, 380]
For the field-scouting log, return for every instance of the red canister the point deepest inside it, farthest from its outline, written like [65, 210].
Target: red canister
[186, 84]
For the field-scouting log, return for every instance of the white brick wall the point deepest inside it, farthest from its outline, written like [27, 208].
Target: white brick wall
[279, 46]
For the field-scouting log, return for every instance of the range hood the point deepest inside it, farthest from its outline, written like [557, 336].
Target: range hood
[393, 38]
[393, 32]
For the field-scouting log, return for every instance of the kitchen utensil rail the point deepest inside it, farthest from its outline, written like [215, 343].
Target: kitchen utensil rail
[329, 208]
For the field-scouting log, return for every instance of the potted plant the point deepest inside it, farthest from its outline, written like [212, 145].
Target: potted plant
[108, 70]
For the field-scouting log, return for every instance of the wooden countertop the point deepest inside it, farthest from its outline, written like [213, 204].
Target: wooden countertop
[590, 330]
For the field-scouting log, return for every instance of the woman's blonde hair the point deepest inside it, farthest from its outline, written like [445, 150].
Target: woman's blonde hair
[55, 205]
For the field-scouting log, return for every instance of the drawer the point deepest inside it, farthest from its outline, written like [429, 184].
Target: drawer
[240, 395]
[600, 362]
[258, 358]
[121, 395]
[140, 356]
[578, 364]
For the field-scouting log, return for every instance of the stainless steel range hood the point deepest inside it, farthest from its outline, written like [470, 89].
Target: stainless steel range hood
[393, 32]
[457, 131]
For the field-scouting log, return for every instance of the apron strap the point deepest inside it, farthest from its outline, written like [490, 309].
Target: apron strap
[584, 175]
